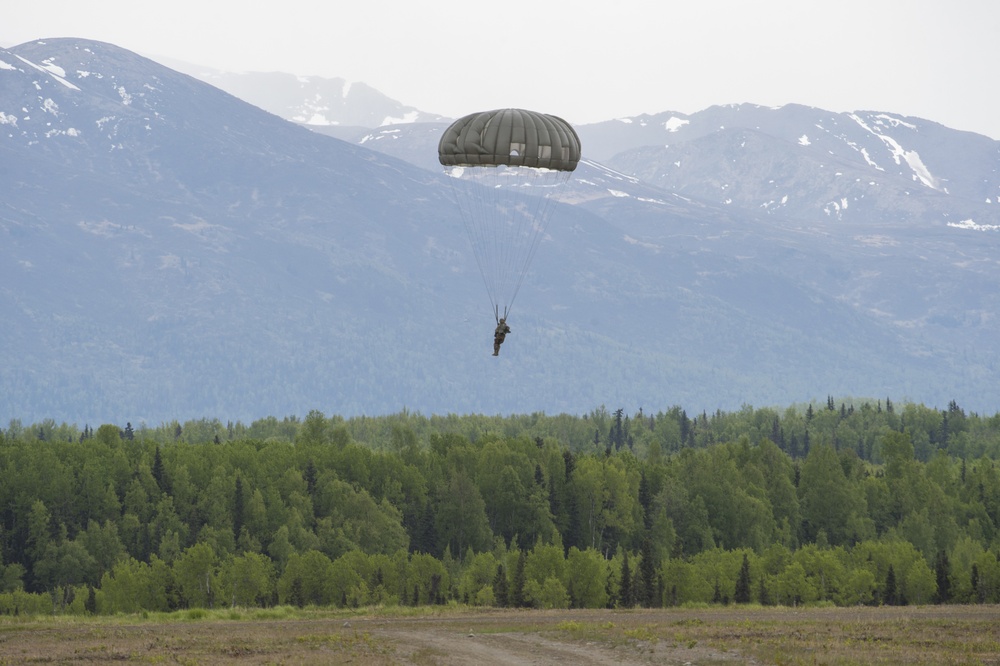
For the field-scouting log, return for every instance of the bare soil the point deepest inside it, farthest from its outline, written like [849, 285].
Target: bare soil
[731, 635]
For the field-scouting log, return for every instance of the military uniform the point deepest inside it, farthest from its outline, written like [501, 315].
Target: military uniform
[498, 336]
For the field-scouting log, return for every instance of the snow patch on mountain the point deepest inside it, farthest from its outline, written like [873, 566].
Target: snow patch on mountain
[54, 68]
[635, 241]
[49, 70]
[969, 224]
[411, 117]
[675, 123]
[895, 122]
[900, 155]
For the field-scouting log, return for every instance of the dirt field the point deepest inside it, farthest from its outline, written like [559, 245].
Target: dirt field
[926, 635]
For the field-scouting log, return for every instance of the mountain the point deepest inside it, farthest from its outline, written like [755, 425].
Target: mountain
[805, 163]
[336, 107]
[169, 251]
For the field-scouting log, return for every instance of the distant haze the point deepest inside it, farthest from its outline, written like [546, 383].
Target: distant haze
[918, 58]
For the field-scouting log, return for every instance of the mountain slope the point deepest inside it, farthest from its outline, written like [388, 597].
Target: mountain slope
[190, 221]
[336, 107]
[808, 164]
[169, 251]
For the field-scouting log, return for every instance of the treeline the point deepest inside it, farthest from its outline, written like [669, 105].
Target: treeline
[856, 502]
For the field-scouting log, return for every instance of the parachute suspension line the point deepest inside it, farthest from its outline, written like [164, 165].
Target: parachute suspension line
[501, 222]
[542, 201]
[473, 207]
[506, 224]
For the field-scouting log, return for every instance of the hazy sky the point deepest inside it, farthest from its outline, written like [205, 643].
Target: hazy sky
[585, 61]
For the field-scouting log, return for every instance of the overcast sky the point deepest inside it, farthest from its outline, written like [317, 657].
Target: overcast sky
[584, 61]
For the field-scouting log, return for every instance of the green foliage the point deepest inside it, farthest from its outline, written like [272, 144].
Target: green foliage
[741, 594]
[248, 579]
[195, 574]
[587, 578]
[849, 502]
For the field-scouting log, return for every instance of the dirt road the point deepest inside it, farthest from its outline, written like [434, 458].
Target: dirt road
[530, 638]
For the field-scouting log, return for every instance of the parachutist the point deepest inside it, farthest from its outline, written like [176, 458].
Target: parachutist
[498, 336]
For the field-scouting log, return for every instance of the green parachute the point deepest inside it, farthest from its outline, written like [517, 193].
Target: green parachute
[505, 165]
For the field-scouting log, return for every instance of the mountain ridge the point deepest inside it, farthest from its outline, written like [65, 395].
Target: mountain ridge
[182, 253]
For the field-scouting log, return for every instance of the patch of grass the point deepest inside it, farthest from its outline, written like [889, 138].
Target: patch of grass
[572, 626]
[643, 633]
[343, 640]
[276, 613]
[835, 636]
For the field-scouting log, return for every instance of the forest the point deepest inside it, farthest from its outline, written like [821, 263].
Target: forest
[845, 502]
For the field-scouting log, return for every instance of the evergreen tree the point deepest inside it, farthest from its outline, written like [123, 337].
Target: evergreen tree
[296, 597]
[435, 596]
[310, 476]
[617, 436]
[687, 433]
[573, 535]
[569, 464]
[942, 432]
[647, 576]
[423, 539]
[90, 605]
[158, 472]
[517, 599]
[891, 594]
[555, 507]
[238, 507]
[777, 434]
[742, 593]
[625, 591]
[762, 594]
[501, 597]
[645, 501]
[942, 571]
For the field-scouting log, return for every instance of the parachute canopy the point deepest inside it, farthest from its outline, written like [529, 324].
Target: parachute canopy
[504, 166]
[510, 137]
